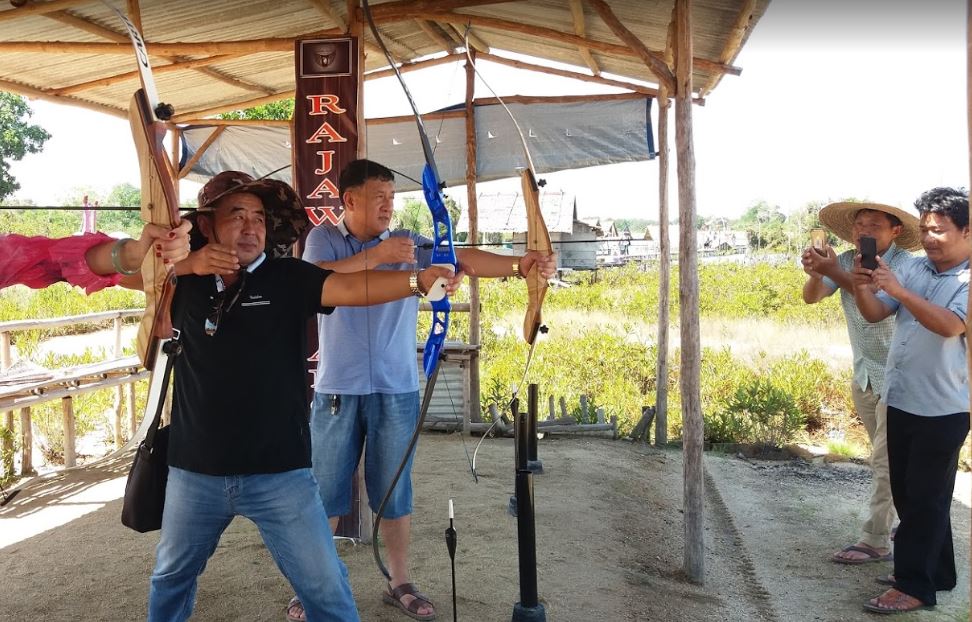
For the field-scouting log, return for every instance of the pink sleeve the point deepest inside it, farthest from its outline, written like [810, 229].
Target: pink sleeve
[39, 261]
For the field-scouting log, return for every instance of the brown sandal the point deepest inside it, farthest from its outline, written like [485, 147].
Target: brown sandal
[895, 601]
[394, 597]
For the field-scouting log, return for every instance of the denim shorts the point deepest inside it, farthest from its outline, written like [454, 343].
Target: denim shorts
[382, 424]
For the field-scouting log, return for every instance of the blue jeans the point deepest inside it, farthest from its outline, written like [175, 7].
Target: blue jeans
[285, 507]
[383, 425]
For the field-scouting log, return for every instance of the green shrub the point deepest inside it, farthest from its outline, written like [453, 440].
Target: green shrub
[759, 412]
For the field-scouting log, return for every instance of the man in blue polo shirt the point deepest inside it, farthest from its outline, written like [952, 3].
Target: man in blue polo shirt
[366, 391]
[927, 394]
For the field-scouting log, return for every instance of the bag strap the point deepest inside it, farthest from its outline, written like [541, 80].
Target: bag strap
[172, 348]
[157, 420]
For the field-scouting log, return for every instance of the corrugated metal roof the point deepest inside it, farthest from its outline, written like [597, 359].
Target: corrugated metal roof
[43, 53]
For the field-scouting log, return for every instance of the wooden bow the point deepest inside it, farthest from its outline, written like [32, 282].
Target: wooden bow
[147, 116]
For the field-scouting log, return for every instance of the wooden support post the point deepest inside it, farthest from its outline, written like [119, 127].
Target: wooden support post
[67, 418]
[7, 447]
[600, 415]
[664, 276]
[689, 299]
[475, 337]
[563, 407]
[26, 443]
[585, 417]
[132, 413]
[614, 427]
[119, 404]
[552, 409]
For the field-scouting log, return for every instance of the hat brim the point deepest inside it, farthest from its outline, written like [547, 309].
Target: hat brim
[286, 217]
[839, 219]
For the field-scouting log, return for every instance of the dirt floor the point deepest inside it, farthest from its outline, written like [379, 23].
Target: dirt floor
[609, 543]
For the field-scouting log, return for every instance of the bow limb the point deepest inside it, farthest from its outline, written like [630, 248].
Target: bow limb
[443, 254]
[147, 116]
[538, 238]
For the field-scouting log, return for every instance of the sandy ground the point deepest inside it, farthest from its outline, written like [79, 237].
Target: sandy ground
[609, 532]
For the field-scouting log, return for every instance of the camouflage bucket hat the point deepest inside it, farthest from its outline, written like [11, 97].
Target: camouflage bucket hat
[286, 218]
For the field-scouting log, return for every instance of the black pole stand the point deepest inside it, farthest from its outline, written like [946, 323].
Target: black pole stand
[534, 464]
[529, 609]
[515, 412]
[450, 537]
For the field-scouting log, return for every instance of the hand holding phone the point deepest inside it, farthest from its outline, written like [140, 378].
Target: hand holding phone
[868, 252]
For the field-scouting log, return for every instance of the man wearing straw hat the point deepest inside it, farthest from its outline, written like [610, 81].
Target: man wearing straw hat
[240, 440]
[895, 232]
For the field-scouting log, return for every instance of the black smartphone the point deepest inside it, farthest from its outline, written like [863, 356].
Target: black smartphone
[868, 252]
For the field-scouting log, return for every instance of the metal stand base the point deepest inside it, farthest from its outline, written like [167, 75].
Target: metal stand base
[529, 614]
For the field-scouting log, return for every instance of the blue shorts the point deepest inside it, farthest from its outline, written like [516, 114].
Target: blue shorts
[382, 424]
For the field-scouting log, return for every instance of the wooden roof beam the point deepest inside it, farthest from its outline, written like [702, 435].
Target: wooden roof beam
[744, 21]
[433, 32]
[404, 9]
[652, 59]
[253, 46]
[575, 75]
[39, 9]
[83, 24]
[133, 75]
[580, 29]
[216, 133]
[541, 32]
[34, 93]
[430, 62]
[199, 115]
[475, 42]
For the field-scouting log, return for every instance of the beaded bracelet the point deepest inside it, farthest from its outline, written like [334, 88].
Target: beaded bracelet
[115, 260]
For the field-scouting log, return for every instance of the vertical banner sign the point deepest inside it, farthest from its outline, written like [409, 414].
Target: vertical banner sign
[325, 140]
[325, 122]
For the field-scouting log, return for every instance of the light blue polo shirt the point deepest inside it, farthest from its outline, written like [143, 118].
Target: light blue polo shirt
[927, 373]
[366, 350]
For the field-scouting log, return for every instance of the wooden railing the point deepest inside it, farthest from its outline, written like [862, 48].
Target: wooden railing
[20, 391]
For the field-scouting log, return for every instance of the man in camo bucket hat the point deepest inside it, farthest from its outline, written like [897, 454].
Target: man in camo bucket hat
[285, 216]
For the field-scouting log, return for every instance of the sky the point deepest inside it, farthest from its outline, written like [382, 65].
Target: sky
[837, 99]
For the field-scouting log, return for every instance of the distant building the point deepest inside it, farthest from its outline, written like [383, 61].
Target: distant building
[574, 241]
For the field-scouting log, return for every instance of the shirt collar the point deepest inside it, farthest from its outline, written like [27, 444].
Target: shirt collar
[953, 270]
[347, 234]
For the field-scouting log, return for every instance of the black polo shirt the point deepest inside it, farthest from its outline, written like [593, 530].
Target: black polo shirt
[240, 395]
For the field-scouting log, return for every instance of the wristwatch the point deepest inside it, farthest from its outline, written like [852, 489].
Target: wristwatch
[413, 284]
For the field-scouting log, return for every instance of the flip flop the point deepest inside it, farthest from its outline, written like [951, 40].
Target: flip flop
[896, 605]
[394, 597]
[872, 556]
[299, 617]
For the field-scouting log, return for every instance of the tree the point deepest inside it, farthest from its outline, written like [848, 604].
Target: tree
[281, 110]
[17, 138]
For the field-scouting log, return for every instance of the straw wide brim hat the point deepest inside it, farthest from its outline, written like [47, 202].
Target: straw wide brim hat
[285, 215]
[839, 218]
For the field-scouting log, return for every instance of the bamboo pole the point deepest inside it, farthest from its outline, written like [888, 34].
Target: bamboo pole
[7, 446]
[133, 75]
[688, 299]
[34, 93]
[475, 337]
[580, 29]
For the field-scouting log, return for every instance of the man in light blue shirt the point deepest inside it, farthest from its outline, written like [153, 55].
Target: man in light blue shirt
[927, 394]
[366, 389]
[893, 230]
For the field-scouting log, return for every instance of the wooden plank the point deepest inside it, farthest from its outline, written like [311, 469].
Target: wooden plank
[26, 443]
